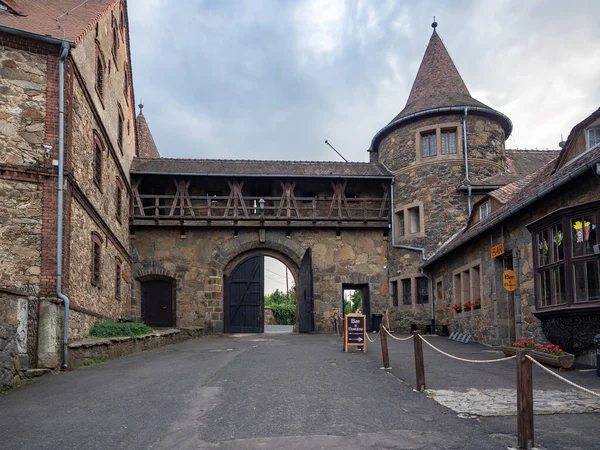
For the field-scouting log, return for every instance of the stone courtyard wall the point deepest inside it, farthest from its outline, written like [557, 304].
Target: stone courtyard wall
[199, 259]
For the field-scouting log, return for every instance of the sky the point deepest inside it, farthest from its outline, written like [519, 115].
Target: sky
[263, 79]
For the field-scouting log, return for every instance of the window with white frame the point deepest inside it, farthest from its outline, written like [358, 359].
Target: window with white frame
[593, 137]
[485, 210]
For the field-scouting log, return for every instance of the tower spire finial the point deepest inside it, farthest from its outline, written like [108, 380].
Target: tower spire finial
[434, 24]
[141, 105]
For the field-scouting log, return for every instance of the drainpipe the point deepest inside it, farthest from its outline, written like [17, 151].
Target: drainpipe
[64, 52]
[467, 180]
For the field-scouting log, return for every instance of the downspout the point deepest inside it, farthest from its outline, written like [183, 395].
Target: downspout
[467, 181]
[64, 52]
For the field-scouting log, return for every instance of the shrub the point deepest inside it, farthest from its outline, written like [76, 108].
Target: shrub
[117, 329]
[284, 314]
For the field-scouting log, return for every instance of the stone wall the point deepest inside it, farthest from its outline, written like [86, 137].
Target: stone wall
[200, 259]
[20, 234]
[8, 354]
[99, 299]
[23, 106]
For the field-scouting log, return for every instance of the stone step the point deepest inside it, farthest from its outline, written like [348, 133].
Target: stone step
[34, 373]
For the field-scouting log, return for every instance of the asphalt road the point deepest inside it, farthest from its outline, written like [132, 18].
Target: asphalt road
[259, 391]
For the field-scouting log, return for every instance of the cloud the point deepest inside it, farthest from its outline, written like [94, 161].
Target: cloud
[273, 80]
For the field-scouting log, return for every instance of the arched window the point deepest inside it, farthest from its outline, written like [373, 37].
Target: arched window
[120, 127]
[119, 199]
[97, 166]
[96, 259]
[99, 75]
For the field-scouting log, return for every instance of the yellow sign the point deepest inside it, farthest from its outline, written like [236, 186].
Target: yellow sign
[509, 278]
[497, 250]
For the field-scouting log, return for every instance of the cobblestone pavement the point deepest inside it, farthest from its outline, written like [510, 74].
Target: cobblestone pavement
[503, 402]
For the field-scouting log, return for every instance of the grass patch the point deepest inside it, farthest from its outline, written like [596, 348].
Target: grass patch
[95, 361]
[119, 329]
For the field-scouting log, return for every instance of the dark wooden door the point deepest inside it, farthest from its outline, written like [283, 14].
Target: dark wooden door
[366, 306]
[244, 297]
[306, 300]
[157, 303]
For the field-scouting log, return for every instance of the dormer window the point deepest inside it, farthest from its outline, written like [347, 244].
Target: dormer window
[593, 137]
[485, 210]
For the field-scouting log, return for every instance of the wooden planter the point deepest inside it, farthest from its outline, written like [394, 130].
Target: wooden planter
[562, 361]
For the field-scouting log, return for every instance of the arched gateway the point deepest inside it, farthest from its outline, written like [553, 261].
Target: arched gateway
[210, 224]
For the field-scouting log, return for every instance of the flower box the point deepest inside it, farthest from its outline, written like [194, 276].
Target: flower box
[565, 361]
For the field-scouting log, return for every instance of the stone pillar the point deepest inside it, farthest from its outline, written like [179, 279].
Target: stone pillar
[49, 326]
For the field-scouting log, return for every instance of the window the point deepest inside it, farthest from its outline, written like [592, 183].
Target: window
[567, 270]
[96, 259]
[118, 276]
[448, 141]
[122, 19]
[394, 293]
[115, 42]
[406, 292]
[415, 219]
[126, 83]
[467, 287]
[97, 163]
[485, 210]
[422, 291]
[429, 144]
[593, 137]
[439, 291]
[99, 76]
[120, 129]
[119, 200]
[400, 223]
[409, 221]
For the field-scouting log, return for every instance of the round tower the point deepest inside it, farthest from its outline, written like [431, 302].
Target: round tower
[441, 144]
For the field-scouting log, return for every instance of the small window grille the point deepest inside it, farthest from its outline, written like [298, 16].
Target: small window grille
[96, 255]
[406, 292]
[100, 76]
[429, 144]
[448, 142]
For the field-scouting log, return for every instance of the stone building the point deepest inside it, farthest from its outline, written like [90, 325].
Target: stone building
[189, 250]
[77, 53]
[547, 227]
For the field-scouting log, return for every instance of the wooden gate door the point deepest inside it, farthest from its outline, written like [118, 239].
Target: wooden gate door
[244, 297]
[306, 300]
[157, 303]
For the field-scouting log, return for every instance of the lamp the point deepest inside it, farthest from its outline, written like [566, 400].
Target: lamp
[261, 204]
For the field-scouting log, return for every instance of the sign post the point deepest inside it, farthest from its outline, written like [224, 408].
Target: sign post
[355, 331]
[509, 280]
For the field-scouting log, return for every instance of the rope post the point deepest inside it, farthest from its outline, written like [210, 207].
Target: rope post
[419, 362]
[524, 401]
[384, 348]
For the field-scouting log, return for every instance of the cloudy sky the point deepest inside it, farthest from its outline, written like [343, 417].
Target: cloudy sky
[263, 79]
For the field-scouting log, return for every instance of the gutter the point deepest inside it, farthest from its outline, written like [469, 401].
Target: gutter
[36, 36]
[516, 208]
[466, 181]
[64, 53]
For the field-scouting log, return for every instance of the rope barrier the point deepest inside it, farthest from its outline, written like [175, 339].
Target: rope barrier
[372, 341]
[596, 394]
[467, 360]
[394, 337]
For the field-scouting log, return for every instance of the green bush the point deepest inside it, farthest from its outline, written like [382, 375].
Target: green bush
[284, 314]
[117, 329]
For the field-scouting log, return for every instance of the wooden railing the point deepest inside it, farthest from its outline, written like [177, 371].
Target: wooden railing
[216, 208]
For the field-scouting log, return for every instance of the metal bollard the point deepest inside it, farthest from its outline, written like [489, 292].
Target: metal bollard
[597, 342]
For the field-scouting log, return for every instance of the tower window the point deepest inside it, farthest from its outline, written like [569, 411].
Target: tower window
[415, 219]
[448, 141]
[408, 221]
[429, 144]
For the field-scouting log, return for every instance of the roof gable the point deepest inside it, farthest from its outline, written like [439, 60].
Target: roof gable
[575, 145]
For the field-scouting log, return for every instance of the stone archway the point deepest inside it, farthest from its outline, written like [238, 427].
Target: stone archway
[150, 274]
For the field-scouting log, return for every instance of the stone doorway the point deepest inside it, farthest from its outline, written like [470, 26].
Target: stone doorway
[354, 295]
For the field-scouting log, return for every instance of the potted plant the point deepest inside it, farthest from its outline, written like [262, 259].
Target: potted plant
[477, 303]
[550, 354]
[457, 308]
[467, 306]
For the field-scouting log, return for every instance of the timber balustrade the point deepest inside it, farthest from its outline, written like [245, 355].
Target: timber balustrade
[239, 209]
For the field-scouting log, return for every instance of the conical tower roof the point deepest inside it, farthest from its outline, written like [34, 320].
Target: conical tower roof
[439, 89]
[145, 141]
[437, 84]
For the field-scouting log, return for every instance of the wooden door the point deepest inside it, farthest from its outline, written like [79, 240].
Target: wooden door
[244, 297]
[306, 300]
[157, 303]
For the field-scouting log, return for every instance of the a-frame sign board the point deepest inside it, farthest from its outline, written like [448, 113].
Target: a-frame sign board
[355, 331]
